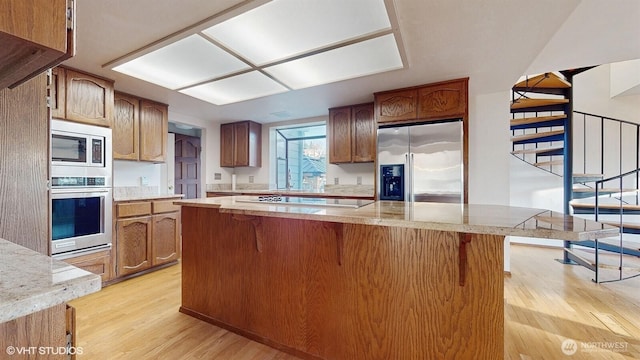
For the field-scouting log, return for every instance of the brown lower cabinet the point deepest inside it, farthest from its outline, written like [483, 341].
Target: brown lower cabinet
[98, 263]
[147, 235]
[44, 334]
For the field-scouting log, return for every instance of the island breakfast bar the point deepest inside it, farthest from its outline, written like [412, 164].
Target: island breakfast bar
[386, 280]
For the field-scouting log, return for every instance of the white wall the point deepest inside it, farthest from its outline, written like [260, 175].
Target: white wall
[625, 77]
[592, 94]
[489, 147]
[130, 173]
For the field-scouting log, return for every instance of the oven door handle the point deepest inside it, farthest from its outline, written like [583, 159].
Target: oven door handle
[80, 191]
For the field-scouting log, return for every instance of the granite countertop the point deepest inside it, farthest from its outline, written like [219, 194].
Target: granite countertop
[468, 218]
[30, 281]
[147, 197]
[293, 193]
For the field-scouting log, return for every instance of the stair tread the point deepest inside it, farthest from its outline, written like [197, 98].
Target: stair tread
[547, 163]
[601, 265]
[605, 206]
[536, 135]
[527, 103]
[627, 225]
[587, 175]
[546, 80]
[536, 119]
[572, 252]
[536, 150]
[605, 190]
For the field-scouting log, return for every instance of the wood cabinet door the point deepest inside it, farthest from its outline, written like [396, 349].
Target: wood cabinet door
[39, 330]
[133, 237]
[241, 143]
[57, 93]
[254, 146]
[166, 235]
[24, 165]
[34, 38]
[89, 99]
[126, 127]
[443, 100]
[226, 145]
[396, 106]
[364, 133]
[154, 127]
[98, 263]
[339, 133]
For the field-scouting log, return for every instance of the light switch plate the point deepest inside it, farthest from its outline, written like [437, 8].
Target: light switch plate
[250, 179]
[217, 176]
[144, 181]
[359, 180]
[336, 181]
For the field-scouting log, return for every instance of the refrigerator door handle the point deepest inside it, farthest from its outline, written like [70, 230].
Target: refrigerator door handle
[407, 174]
[411, 161]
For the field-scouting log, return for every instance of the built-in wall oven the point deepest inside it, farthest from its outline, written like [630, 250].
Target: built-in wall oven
[81, 188]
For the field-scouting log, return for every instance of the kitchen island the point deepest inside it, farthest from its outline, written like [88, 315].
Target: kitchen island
[387, 280]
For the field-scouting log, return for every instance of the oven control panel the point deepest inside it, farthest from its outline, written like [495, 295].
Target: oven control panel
[78, 181]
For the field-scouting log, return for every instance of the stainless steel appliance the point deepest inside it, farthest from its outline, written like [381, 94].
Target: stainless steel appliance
[81, 188]
[421, 162]
[77, 145]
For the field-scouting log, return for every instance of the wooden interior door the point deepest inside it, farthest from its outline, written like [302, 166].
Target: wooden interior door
[188, 167]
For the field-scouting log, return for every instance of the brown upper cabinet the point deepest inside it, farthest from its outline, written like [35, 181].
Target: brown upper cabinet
[35, 36]
[154, 128]
[442, 100]
[351, 134]
[140, 129]
[426, 103]
[240, 144]
[81, 97]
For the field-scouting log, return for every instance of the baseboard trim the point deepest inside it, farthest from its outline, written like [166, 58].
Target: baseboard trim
[248, 334]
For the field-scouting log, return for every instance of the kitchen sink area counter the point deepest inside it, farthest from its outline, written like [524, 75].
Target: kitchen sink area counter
[31, 282]
[384, 280]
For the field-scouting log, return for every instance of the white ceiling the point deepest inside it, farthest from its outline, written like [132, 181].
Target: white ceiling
[493, 42]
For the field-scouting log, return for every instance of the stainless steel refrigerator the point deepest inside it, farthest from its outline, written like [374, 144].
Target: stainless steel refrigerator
[421, 162]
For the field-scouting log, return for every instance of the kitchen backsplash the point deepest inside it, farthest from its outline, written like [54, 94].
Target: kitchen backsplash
[349, 189]
[125, 192]
[330, 189]
[225, 187]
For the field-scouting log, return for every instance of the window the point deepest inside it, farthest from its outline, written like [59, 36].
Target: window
[301, 160]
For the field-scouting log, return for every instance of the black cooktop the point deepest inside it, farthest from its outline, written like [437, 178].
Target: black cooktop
[307, 201]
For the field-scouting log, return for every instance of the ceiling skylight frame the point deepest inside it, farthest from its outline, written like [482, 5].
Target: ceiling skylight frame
[247, 6]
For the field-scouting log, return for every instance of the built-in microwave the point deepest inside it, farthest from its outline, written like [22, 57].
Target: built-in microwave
[73, 145]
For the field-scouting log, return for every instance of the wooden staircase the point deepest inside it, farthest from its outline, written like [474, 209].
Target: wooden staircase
[540, 109]
[541, 112]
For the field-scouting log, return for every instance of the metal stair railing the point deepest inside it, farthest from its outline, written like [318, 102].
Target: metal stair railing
[621, 202]
[601, 125]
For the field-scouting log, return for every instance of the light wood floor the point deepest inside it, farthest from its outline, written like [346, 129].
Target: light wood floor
[546, 304]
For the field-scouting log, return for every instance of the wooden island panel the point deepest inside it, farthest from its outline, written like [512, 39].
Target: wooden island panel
[323, 290]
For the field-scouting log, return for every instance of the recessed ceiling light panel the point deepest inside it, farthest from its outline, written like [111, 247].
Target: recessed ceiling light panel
[281, 29]
[242, 87]
[182, 63]
[364, 58]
